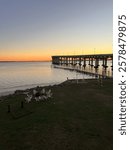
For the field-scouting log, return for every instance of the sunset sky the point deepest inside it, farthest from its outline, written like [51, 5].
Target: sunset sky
[38, 29]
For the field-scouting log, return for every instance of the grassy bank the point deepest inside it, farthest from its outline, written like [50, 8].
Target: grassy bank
[78, 117]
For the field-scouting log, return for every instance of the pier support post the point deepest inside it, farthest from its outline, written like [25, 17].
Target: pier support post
[80, 61]
[96, 63]
[105, 63]
[66, 60]
[91, 62]
[75, 61]
[84, 63]
[72, 60]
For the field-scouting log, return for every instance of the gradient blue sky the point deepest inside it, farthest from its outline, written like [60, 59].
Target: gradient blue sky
[37, 29]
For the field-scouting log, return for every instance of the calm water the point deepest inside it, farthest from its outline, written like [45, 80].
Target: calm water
[23, 75]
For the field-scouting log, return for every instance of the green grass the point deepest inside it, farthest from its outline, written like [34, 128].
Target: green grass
[78, 117]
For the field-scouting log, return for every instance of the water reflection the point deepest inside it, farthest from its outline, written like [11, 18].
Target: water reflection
[100, 70]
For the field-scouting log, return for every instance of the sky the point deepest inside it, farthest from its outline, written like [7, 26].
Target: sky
[37, 29]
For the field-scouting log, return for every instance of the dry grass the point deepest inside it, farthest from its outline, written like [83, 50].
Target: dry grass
[78, 117]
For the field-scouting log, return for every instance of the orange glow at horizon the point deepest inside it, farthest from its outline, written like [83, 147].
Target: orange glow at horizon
[27, 58]
[47, 56]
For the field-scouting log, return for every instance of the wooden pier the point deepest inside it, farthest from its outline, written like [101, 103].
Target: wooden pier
[93, 60]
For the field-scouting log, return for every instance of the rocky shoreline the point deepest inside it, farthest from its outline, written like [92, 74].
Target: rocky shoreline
[39, 88]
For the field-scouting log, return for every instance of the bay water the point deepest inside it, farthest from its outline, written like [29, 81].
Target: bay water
[23, 75]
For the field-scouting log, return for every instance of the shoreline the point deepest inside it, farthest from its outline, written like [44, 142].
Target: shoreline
[66, 82]
[23, 88]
